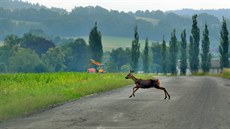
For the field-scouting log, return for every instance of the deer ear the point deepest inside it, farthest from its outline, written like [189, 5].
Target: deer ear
[131, 71]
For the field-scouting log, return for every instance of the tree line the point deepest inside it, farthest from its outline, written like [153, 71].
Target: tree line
[167, 57]
[32, 53]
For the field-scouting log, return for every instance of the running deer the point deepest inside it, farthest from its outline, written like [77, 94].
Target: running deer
[145, 84]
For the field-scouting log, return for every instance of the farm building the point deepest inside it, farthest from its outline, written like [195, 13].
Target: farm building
[215, 66]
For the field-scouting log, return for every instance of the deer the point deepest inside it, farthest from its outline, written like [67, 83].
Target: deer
[145, 84]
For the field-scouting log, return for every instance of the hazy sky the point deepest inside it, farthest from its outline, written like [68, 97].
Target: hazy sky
[134, 5]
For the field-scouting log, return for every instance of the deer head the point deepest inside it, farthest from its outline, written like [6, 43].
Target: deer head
[129, 75]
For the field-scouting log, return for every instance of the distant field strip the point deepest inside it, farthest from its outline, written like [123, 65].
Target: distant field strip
[110, 42]
[153, 21]
[22, 94]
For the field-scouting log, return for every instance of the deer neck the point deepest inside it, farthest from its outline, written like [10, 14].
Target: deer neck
[134, 79]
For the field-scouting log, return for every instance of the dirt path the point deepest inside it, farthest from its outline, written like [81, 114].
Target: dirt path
[196, 103]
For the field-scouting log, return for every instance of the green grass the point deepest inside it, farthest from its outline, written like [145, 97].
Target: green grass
[22, 94]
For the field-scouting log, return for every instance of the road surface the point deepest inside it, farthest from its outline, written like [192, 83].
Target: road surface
[196, 103]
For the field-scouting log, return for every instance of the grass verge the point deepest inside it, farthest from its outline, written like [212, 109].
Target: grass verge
[22, 94]
[224, 74]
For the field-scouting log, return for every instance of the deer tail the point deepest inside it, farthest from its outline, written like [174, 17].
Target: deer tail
[158, 82]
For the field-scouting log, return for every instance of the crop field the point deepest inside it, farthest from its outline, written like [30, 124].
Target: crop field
[24, 93]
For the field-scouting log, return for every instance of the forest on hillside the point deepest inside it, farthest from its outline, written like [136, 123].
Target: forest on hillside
[21, 17]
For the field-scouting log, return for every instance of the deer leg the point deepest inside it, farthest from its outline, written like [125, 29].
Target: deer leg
[134, 90]
[165, 91]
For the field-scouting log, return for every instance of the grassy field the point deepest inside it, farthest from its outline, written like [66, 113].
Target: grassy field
[226, 73]
[22, 94]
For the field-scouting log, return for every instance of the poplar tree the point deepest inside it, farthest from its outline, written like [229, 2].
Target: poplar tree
[205, 56]
[95, 44]
[194, 45]
[146, 57]
[173, 49]
[191, 44]
[224, 44]
[183, 49]
[163, 57]
[135, 50]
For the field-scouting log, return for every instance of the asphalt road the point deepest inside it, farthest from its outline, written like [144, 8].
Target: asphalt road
[196, 103]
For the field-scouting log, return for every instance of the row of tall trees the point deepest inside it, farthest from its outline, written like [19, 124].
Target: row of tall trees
[194, 47]
[188, 53]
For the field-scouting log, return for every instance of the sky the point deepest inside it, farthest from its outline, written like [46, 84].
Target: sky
[134, 5]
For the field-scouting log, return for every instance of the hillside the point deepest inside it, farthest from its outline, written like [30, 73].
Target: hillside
[18, 4]
[17, 17]
[218, 13]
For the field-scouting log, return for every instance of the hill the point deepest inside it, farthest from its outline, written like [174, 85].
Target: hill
[58, 22]
[18, 4]
[218, 13]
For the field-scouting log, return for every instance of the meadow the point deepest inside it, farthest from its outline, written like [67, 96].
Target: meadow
[24, 93]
